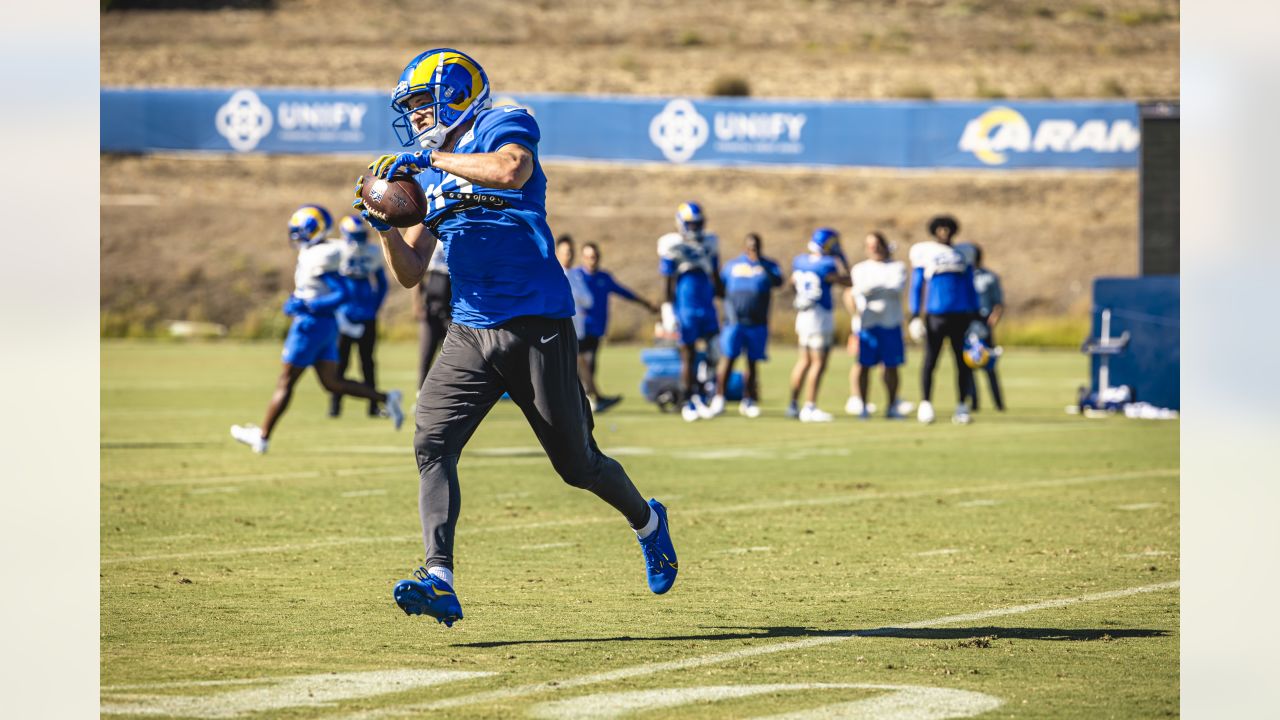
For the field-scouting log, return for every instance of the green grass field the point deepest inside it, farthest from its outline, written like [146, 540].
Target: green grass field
[857, 569]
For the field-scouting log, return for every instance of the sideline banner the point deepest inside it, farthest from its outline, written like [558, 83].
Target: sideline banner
[696, 131]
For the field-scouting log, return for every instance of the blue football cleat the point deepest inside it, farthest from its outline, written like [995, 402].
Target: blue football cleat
[659, 553]
[428, 595]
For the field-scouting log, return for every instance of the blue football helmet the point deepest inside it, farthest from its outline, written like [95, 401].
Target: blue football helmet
[354, 228]
[825, 241]
[689, 219]
[456, 89]
[309, 225]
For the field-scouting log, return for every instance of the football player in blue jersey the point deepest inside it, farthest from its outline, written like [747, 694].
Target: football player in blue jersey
[601, 284]
[942, 303]
[990, 309]
[690, 262]
[749, 281]
[512, 325]
[812, 275]
[361, 268]
[313, 337]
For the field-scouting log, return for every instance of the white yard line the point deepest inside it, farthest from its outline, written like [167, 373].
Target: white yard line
[715, 510]
[522, 691]
[931, 553]
[1139, 506]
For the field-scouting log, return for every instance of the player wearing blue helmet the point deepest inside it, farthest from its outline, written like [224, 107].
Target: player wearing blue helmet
[812, 275]
[512, 325]
[361, 267]
[690, 262]
[313, 336]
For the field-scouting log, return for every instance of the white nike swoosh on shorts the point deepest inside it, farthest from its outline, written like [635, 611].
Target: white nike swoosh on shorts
[546, 340]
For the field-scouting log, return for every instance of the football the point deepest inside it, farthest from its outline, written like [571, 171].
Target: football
[398, 202]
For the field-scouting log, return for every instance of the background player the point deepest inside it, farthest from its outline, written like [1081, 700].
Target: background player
[313, 336]
[361, 268]
[812, 276]
[942, 290]
[749, 280]
[512, 313]
[565, 252]
[601, 284]
[990, 311]
[433, 310]
[690, 261]
[875, 305]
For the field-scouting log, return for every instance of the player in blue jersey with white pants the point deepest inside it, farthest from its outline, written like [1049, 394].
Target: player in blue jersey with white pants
[512, 325]
[601, 284]
[749, 281]
[361, 268]
[690, 262]
[812, 276]
[319, 291]
[943, 302]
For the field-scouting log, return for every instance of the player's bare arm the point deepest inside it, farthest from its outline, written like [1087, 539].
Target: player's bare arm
[408, 252]
[509, 168]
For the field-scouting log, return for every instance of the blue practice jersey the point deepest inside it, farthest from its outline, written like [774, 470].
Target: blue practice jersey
[990, 294]
[361, 267]
[949, 272]
[693, 261]
[501, 254]
[747, 288]
[811, 274]
[601, 285]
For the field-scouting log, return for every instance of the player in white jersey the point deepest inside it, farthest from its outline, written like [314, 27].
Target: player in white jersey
[875, 304]
[313, 337]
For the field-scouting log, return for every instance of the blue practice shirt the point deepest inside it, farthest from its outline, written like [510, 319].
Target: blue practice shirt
[812, 277]
[602, 285]
[949, 272]
[747, 288]
[694, 260]
[501, 260]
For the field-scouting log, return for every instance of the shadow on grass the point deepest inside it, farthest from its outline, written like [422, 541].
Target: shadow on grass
[765, 633]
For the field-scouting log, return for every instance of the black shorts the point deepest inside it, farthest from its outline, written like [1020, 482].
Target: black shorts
[590, 343]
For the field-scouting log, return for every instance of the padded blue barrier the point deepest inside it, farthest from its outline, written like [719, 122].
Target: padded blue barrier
[1147, 309]
[697, 131]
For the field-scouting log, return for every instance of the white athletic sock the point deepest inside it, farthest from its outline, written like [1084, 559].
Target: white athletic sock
[443, 573]
[650, 527]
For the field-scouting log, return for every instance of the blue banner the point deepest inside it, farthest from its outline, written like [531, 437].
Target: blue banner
[898, 134]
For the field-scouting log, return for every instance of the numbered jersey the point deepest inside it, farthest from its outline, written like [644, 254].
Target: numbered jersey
[877, 292]
[360, 260]
[314, 262]
[811, 276]
[693, 260]
[498, 247]
[948, 273]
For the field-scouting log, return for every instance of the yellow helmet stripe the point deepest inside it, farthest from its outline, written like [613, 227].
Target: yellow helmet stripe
[429, 70]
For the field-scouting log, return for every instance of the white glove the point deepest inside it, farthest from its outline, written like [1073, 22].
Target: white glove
[669, 323]
[352, 330]
[916, 329]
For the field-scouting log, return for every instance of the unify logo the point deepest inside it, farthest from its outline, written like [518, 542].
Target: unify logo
[243, 120]
[1000, 130]
[678, 130]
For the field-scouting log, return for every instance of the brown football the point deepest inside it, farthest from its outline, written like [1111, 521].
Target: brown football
[398, 202]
